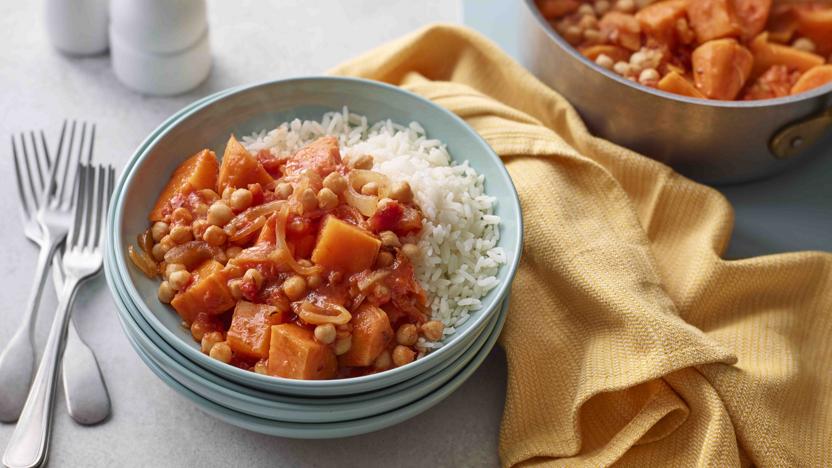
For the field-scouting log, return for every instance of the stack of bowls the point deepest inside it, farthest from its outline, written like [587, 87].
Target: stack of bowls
[286, 407]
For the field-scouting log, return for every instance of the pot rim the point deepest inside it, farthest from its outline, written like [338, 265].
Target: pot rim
[824, 90]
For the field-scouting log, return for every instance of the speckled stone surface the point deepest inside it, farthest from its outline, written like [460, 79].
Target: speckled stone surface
[151, 425]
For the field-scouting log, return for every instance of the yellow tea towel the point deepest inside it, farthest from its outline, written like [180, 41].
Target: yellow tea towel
[629, 340]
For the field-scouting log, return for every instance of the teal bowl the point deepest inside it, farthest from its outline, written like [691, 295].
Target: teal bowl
[244, 110]
[279, 407]
[333, 429]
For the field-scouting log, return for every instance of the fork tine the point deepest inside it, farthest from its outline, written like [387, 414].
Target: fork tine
[108, 195]
[80, 188]
[55, 168]
[37, 161]
[46, 157]
[70, 173]
[100, 187]
[92, 144]
[29, 179]
[89, 200]
[20, 191]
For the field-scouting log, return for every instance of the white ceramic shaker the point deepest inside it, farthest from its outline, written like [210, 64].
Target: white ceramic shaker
[160, 47]
[77, 27]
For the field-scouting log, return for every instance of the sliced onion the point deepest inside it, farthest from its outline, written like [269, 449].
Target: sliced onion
[192, 254]
[365, 204]
[240, 226]
[365, 283]
[143, 262]
[328, 313]
[282, 250]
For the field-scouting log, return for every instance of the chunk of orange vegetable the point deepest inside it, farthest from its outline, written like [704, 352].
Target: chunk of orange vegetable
[751, 16]
[782, 24]
[658, 20]
[207, 293]
[250, 330]
[371, 334]
[294, 354]
[239, 168]
[675, 83]
[815, 22]
[344, 247]
[621, 29]
[551, 9]
[721, 68]
[768, 54]
[616, 53]
[196, 173]
[322, 156]
[713, 19]
[813, 78]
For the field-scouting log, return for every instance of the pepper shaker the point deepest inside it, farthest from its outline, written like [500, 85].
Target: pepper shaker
[78, 27]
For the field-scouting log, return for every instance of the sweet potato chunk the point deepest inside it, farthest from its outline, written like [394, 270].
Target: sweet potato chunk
[616, 53]
[815, 23]
[551, 9]
[294, 354]
[658, 20]
[371, 334]
[621, 29]
[207, 293]
[721, 68]
[713, 19]
[768, 54]
[322, 156]
[239, 168]
[751, 16]
[344, 247]
[250, 330]
[813, 78]
[675, 83]
[196, 173]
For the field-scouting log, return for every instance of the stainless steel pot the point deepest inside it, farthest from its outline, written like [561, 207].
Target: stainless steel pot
[712, 141]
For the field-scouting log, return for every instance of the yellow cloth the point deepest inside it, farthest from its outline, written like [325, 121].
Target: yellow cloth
[629, 340]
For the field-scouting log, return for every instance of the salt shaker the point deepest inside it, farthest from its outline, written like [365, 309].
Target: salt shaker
[78, 27]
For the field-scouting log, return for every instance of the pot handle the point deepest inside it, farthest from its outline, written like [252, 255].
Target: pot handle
[796, 137]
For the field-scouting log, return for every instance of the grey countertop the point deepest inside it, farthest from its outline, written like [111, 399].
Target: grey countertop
[255, 40]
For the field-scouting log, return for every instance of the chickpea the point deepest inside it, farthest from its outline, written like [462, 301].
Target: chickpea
[181, 234]
[198, 330]
[209, 340]
[226, 193]
[335, 277]
[314, 281]
[304, 262]
[158, 251]
[159, 230]
[214, 235]
[591, 35]
[308, 200]
[219, 214]
[622, 68]
[235, 286]
[342, 345]
[335, 182]
[233, 251]
[804, 44]
[325, 333]
[294, 287]
[602, 6]
[380, 290]
[433, 330]
[182, 216]
[407, 334]
[261, 368]
[199, 226]
[365, 161]
[403, 355]
[221, 352]
[626, 6]
[604, 61]
[172, 267]
[370, 188]
[165, 293]
[241, 199]
[179, 279]
[383, 360]
[411, 251]
[389, 239]
[648, 76]
[327, 200]
[384, 259]
[586, 10]
[283, 190]
[401, 191]
[254, 276]
[201, 210]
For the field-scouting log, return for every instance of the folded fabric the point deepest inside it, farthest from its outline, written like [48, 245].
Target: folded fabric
[629, 339]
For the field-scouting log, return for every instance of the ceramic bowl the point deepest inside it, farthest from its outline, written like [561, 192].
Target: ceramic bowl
[244, 110]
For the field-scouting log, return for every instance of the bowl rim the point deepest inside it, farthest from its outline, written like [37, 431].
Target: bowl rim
[753, 104]
[141, 153]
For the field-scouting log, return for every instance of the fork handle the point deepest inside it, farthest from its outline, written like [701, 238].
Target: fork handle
[29, 442]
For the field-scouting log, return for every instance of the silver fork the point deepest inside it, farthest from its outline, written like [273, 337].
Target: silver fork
[82, 260]
[52, 219]
[87, 400]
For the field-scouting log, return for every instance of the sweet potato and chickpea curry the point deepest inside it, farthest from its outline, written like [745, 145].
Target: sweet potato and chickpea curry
[291, 265]
[714, 49]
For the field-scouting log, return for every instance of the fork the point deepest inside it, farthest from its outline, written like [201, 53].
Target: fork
[50, 201]
[87, 400]
[82, 260]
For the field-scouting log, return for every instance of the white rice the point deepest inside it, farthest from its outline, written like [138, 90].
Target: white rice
[458, 242]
